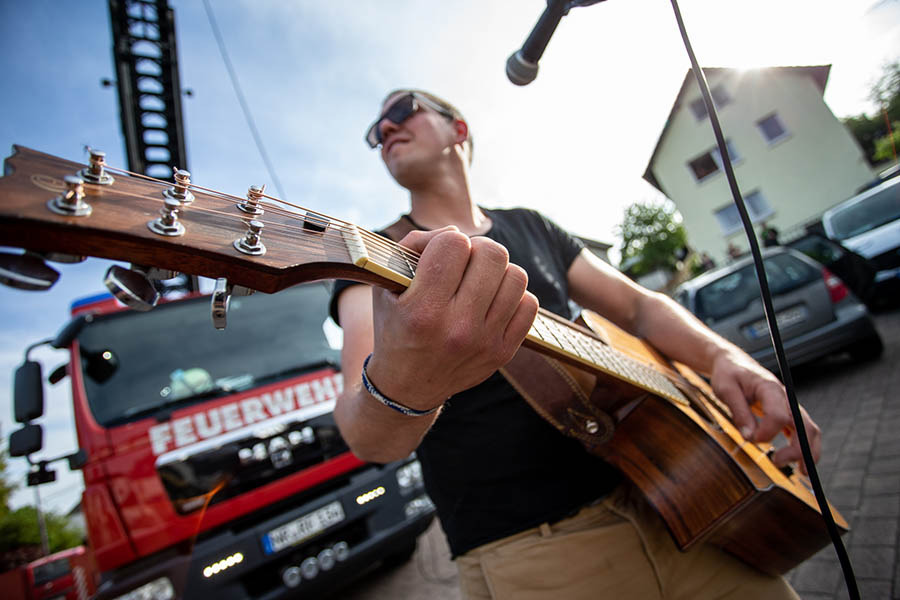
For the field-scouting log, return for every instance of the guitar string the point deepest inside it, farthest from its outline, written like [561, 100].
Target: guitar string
[384, 249]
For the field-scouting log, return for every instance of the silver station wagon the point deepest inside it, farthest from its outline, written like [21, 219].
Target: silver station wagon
[817, 313]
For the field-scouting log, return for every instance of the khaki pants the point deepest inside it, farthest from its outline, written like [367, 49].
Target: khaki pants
[617, 548]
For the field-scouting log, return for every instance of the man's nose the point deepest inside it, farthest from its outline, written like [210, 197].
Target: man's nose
[386, 126]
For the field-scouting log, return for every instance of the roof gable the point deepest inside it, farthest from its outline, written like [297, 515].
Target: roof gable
[818, 73]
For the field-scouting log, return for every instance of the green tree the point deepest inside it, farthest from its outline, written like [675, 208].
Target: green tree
[886, 147]
[871, 132]
[19, 528]
[6, 488]
[652, 237]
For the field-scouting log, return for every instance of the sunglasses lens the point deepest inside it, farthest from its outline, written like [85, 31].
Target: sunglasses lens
[399, 111]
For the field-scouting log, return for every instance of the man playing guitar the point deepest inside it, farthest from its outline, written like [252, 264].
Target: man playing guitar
[527, 512]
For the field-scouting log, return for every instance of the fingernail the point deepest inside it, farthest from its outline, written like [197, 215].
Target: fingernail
[746, 432]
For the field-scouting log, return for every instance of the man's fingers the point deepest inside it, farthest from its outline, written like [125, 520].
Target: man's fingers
[442, 264]
[732, 395]
[417, 240]
[776, 414]
[508, 297]
[792, 452]
[484, 276]
[521, 321]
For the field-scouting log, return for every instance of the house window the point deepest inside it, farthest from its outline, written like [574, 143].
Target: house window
[720, 98]
[710, 162]
[757, 208]
[772, 128]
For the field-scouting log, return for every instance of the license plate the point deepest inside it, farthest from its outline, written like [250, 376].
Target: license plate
[785, 318]
[303, 528]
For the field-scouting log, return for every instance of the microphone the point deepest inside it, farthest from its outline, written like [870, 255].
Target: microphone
[522, 66]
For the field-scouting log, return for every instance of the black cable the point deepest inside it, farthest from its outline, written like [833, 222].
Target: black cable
[240, 95]
[783, 365]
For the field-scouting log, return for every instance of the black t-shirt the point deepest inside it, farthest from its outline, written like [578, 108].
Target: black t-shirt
[492, 466]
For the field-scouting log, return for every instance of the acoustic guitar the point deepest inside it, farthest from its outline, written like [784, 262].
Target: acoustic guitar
[657, 421]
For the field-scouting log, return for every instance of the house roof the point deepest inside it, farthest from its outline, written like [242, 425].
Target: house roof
[819, 74]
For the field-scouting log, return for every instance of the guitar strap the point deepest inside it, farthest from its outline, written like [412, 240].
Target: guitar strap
[566, 398]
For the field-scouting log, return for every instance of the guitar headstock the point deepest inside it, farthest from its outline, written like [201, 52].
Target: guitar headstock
[52, 205]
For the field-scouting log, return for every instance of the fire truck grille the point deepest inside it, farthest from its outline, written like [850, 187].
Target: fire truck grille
[214, 473]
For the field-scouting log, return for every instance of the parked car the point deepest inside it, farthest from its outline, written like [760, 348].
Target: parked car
[854, 270]
[869, 224]
[817, 313]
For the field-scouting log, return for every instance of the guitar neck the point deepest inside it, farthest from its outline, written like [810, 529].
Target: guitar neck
[549, 334]
[126, 218]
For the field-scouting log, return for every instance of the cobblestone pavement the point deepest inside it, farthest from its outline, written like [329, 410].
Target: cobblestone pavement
[857, 405]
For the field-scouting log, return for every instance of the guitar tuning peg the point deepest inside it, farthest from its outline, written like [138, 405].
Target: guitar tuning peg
[96, 173]
[221, 299]
[26, 272]
[131, 287]
[71, 202]
[58, 257]
[154, 273]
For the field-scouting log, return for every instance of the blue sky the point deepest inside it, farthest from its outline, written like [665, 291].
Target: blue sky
[572, 144]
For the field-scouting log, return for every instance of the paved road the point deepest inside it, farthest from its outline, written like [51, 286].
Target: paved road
[858, 408]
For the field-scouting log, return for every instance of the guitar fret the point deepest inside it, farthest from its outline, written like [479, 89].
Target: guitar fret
[590, 350]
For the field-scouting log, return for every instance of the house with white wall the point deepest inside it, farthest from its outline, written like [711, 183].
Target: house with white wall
[792, 158]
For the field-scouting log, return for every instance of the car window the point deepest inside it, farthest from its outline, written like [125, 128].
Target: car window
[733, 292]
[818, 249]
[859, 217]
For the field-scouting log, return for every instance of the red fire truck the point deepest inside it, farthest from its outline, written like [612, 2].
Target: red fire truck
[212, 465]
[64, 575]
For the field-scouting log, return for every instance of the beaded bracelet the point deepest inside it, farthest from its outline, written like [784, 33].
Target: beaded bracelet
[373, 391]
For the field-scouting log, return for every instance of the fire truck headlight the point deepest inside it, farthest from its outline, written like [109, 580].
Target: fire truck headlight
[410, 476]
[158, 589]
[219, 566]
[418, 506]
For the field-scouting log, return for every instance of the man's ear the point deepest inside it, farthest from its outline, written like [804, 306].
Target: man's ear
[462, 131]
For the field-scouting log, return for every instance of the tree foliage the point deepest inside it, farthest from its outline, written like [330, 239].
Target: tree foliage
[6, 488]
[653, 236]
[872, 132]
[19, 528]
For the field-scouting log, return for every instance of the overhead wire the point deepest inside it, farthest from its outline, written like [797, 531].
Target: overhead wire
[248, 116]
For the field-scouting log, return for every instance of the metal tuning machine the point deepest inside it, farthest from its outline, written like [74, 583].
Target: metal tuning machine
[26, 272]
[251, 243]
[180, 191]
[133, 287]
[251, 204]
[221, 299]
[167, 223]
[71, 202]
[96, 172]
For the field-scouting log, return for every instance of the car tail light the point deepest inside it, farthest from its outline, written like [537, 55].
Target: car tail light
[836, 288]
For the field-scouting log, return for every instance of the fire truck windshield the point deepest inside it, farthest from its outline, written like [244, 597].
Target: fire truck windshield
[137, 364]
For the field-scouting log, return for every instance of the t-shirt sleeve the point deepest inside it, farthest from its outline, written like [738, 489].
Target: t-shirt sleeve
[339, 286]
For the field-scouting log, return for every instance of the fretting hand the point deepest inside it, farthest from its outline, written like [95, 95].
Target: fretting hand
[464, 316]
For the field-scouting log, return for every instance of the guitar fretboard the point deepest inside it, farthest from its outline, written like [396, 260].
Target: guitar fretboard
[592, 353]
[554, 336]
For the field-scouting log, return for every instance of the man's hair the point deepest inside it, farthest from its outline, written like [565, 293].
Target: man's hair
[457, 114]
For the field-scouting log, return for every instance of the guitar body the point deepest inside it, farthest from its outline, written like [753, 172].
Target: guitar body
[706, 482]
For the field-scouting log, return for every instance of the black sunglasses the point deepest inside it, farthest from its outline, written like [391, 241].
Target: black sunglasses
[405, 107]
